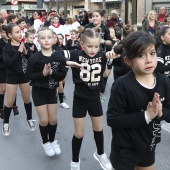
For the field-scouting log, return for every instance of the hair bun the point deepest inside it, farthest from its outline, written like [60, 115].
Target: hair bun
[80, 29]
[97, 29]
[4, 27]
[118, 49]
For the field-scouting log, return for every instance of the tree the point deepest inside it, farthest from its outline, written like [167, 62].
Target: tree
[104, 4]
[65, 8]
[50, 6]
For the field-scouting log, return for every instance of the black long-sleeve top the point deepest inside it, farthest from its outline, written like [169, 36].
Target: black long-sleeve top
[35, 48]
[35, 68]
[76, 45]
[2, 45]
[15, 61]
[163, 58]
[125, 114]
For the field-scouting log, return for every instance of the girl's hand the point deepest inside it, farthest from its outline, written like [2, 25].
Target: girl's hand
[112, 54]
[21, 47]
[25, 51]
[74, 64]
[102, 41]
[32, 48]
[46, 70]
[153, 107]
[160, 113]
[49, 68]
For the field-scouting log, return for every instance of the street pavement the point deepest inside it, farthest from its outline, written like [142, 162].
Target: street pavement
[22, 150]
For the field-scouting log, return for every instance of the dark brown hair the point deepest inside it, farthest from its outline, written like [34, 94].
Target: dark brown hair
[135, 43]
[8, 28]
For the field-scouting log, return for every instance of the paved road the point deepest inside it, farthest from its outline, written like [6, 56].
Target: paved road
[22, 150]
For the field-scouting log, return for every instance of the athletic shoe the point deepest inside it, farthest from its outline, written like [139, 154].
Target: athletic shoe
[2, 113]
[102, 97]
[31, 124]
[5, 129]
[64, 105]
[56, 147]
[75, 165]
[103, 160]
[49, 151]
[166, 126]
[15, 110]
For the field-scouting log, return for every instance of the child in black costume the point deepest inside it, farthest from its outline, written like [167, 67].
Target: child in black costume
[139, 101]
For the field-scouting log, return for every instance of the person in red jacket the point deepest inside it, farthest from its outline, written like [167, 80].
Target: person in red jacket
[162, 14]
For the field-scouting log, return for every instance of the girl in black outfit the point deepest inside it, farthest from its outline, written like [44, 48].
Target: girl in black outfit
[97, 19]
[60, 88]
[163, 57]
[139, 101]
[88, 82]
[83, 18]
[3, 41]
[15, 55]
[73, 43]
[45, 73]
[29, 37]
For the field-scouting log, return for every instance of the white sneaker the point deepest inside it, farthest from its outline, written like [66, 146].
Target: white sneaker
[5, 129]
[31, 124]
[48, 149]
[56, 147]
[75, 165]
[102, 97]
[103, 160]
[64, 105]
[166, 126]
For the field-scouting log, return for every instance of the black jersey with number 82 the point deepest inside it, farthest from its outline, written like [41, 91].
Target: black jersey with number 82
[93, 68]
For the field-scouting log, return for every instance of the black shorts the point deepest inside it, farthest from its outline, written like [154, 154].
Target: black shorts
[81, 106]
[2, 75]
[43, 96]
[127, 159]
[17, 79]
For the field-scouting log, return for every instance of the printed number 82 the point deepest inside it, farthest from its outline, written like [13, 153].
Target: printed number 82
[86, 74]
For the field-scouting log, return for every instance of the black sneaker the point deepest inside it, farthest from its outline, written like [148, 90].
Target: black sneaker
[15, 110]
[2, 113]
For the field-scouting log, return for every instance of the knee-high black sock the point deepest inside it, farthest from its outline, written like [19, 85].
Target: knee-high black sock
[28, 109]
[76, 145]
[104, 87]
[61, 97]
[1, 101]
[44, 133]
[105, 80]
[52, 131]
[15, 104]
[7, 112]
[99, 139]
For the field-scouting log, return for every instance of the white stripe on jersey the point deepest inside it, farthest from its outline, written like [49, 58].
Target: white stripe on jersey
[66, 54]
[160, 59]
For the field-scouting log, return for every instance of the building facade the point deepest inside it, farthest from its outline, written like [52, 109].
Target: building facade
[27, 7]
